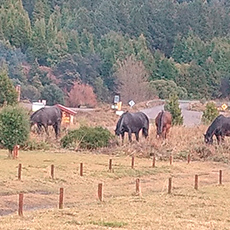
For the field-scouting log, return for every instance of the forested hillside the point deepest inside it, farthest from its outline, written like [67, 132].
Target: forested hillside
[79, 51]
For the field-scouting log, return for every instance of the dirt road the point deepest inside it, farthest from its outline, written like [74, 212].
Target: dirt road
[191, 118]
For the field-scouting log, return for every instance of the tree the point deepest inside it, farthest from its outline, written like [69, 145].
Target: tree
[8, 94]
[82, 94]
[210, 113]
[39, 47]
[165, 88]
[172, 105]
[132, 80]
[14, 127]
[52, 94]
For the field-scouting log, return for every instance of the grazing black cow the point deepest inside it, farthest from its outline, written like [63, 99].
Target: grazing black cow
[46, 116]
[132, 123]
[220, 127]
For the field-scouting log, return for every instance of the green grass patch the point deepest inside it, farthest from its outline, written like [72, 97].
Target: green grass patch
[114, 224]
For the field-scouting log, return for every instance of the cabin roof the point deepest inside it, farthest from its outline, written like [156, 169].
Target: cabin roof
[67, 110]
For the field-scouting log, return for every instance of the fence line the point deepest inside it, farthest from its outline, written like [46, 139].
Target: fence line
[138, 181]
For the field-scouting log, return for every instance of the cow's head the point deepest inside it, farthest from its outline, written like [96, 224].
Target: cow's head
[208, 139]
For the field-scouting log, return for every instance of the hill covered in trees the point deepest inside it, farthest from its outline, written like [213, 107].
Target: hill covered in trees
[77, 51]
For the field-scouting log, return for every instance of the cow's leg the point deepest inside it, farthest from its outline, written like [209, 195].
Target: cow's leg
[46, 129]
[222, 138]
[137, 136]
[122, 137]
[130, 136]
[218, 139]
[56, 129]
[145, 132]
[39, 126]
[164, 133]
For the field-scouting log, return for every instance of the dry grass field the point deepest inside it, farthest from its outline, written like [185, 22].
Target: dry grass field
[122, 207]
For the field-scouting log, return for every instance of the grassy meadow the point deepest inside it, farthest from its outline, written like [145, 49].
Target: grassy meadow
[122, 207]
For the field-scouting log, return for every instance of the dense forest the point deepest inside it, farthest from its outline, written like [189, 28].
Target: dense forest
[78, 52]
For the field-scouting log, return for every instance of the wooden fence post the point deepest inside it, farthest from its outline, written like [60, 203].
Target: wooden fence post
[20, 205]
[196, 182]
[100, 193]
[138, 188]
[189, 158]
[110, 165]
[154, 162]
[220, 177]
[19, 171]
[171, 159]
[81, 169]
[132, 164]
[170, 186]
[61, 198]
[52, 171]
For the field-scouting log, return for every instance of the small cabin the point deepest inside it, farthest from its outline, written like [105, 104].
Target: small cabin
[67, 115]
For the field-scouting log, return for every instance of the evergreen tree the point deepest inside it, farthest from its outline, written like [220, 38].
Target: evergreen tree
[39, 45]
[16, 25]
[172, 105]
[14, 127]
[143, 54]
[41, 11]
[210, 113]
[52, 94]
[8, 94]
[73, 43]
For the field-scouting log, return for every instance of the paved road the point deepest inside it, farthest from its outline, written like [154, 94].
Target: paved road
[191, 118]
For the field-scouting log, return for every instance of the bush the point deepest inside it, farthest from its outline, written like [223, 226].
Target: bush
[87, 138]
[172, 105]
[210, 113]
[33, 144]
[14, 127]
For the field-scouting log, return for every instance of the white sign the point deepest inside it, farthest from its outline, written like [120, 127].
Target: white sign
[116, 99]
[37, 105]
[119, 113]
[131, 103]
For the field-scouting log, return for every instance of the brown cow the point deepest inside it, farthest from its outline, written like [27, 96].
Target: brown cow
[163, 123]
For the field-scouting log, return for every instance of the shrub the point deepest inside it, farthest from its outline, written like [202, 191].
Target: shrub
[172, 105]
[33, 144]
[87, 138]
[210, 113]
[14, 127]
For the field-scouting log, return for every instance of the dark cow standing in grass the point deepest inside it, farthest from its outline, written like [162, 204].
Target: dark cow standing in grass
[220, 127]
[163, 123]
[47, 116]
[132, 123]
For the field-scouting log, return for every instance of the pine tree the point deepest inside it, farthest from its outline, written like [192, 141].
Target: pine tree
[172, 105]
[8, 94]
[210, 113]
[39, 44]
